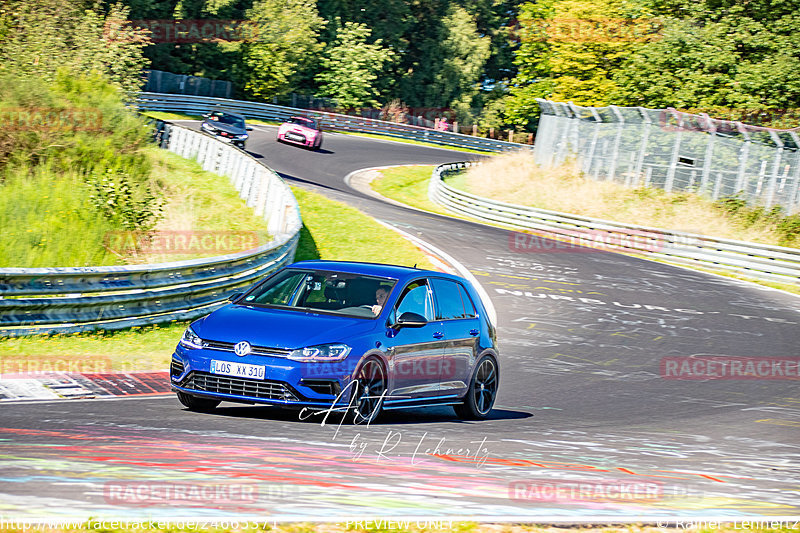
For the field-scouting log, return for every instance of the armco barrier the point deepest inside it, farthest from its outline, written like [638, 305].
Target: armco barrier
[197, 105]
[760, 261]
[66, 300]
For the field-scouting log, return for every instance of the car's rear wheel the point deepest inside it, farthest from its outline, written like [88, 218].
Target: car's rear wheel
[195, 403]
[482, 391]
[369, 390]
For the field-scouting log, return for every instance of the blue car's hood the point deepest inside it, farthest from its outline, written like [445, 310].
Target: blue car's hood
[276, 328]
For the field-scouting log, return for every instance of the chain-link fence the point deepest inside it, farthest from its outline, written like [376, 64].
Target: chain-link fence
[674, 151]
[166, 82]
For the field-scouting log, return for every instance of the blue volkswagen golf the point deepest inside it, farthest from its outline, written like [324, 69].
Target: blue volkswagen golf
[351, 337]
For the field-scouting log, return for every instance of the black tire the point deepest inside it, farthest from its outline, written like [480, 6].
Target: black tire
[482, 391]
[368, 392]
[195, 403]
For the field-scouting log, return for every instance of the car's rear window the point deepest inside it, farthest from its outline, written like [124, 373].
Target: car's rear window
[325, 291]
[225, 118]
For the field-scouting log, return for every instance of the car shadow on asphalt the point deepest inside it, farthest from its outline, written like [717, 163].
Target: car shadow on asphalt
[289, 177]
[427, 415]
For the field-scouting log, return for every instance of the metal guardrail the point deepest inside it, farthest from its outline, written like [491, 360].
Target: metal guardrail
[760, 261]
[197, 105]
[67, 300]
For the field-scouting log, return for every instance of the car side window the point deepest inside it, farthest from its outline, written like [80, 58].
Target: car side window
[449, 305]
[469, 307]
[416, 298]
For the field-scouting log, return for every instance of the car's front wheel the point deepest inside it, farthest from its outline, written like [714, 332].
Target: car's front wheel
[195, 403]
[482, 391]
[369, 391]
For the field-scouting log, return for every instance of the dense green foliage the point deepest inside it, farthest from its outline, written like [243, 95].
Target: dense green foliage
[72, 169]
[477, 61]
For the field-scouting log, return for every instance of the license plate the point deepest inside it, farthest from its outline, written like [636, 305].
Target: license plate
[293, 137]
[240, 370]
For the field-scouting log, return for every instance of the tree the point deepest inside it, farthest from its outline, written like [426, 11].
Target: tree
[350, 66]
[718, 56]
[462, 56]
[43, 36]
[286, 43]
[573, 47]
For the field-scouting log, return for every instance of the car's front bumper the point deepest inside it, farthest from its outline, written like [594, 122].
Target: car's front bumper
[286, 383]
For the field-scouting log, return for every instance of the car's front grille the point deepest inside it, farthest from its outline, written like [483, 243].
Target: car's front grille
[176, 368]
[255, 350]
[252, 388]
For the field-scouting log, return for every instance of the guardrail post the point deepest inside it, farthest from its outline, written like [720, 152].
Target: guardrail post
[673, 163]
[712, 135]
[646, 126]
[612, 167]
[743, 155]
[773, 182]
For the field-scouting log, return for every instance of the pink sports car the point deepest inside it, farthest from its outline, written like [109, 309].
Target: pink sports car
[301, 130]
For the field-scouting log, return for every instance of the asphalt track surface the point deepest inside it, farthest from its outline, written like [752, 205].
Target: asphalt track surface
[584, 419]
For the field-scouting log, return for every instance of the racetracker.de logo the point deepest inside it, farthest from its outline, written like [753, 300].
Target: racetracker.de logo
[187, 31]
[707, 367]
[50, 119]
[182, 242]
[585, 490]
[32, 366]
[146, 493]
[588, 241]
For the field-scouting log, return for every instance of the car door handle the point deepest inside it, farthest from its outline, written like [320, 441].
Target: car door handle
[474, 332]
[438, 335]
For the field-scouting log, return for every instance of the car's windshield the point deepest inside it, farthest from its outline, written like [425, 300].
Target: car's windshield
[307, 122]
[340, 293]
[225, 118]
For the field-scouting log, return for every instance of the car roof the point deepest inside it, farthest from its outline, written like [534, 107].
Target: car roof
[227, 112]
[398, 272]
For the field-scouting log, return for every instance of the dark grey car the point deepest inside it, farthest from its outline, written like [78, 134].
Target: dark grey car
[226, 126]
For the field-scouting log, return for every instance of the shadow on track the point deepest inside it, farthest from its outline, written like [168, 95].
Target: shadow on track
[428, 415]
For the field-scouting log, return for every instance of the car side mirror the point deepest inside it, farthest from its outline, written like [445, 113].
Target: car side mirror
[235, 296]
[249, 128]
[410, 320]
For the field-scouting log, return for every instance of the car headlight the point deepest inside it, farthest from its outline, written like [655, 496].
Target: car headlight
[241, 137]
[191, 340]
[320, 353]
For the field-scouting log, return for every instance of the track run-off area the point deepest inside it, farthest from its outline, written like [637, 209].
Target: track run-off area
[587, 427]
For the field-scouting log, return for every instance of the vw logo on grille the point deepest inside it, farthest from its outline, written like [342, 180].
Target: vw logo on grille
[242, 348]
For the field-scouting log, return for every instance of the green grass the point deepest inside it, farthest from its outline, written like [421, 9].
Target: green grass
[168, 116]
[48, 221]
[409, 185]
[331, 230]
[144, 349]
[420, 143]
[51, 221]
